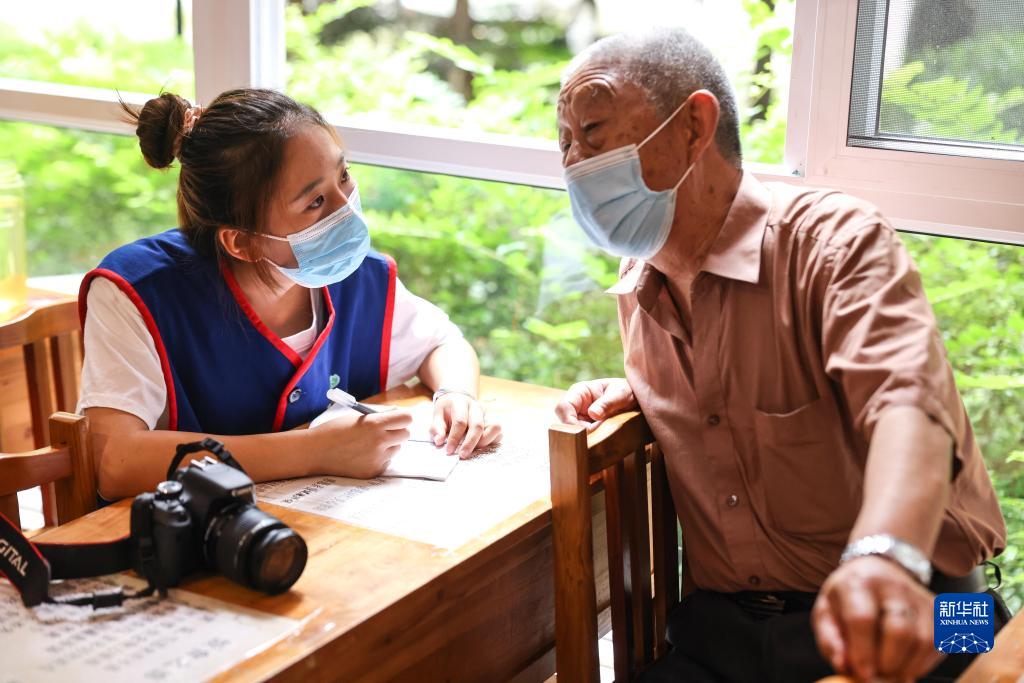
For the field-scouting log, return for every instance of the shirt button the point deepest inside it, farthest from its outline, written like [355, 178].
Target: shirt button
[732, 501]
[713, 420]
[754, 580]
[295, 396]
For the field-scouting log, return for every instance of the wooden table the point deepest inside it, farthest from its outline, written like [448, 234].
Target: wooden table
[379, 607]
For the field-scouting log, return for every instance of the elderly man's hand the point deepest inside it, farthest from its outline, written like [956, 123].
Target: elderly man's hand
[589, 402]
[872, 619]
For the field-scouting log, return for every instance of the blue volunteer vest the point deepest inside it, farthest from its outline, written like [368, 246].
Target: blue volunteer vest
[225, 371]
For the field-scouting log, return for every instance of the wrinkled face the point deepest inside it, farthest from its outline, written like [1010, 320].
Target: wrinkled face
[598, 112]
[314, 183]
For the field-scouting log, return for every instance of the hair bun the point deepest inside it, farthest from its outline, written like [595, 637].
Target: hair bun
[159, 128]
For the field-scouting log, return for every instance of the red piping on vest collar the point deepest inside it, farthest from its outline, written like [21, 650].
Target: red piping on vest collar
[261, 327]
[282, 402]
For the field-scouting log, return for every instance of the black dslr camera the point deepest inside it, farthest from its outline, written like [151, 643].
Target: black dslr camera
[202, 517]
[205, 517]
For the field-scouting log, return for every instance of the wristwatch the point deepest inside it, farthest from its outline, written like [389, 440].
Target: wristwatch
[442, 391]
[900, 552]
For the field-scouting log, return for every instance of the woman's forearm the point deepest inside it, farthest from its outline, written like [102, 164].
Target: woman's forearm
[133, 459]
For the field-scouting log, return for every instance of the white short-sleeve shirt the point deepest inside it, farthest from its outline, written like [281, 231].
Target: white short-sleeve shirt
[121, 368]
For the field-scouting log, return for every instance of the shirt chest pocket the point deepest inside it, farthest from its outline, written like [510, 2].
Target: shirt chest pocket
[811, 484]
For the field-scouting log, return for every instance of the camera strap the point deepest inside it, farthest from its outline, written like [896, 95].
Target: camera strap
[31, 566]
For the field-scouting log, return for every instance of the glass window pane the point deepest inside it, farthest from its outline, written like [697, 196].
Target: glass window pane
[85, 194]
[947, 72]
[508, 265]
[494, 65]
[506, 262]
[131, 46]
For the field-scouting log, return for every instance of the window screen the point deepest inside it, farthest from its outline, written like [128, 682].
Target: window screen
[941, 76]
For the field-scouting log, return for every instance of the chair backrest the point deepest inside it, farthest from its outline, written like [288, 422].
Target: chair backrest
[50, 338]
[642, 593]
[67, 465]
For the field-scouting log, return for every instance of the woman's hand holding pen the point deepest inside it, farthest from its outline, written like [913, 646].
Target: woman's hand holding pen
[461, 423]
[359, 446]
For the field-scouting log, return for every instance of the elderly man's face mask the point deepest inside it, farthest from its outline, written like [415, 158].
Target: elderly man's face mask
[615, 207]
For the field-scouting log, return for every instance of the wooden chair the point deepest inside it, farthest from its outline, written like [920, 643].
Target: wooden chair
[50, 339]
[616, 457]
[67, 466]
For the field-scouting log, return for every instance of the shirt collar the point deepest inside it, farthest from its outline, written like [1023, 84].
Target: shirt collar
[629, 274]
[736, 253]
[639, 277]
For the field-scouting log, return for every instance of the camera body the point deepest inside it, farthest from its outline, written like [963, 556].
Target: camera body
[205, 517]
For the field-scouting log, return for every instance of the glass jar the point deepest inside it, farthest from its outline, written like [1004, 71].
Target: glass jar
[13, 256]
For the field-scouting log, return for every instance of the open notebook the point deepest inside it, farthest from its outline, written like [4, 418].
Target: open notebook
[418, 458]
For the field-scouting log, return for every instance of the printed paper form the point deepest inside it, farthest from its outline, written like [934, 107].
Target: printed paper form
[480, 493]
[418, 458]
[186, 637]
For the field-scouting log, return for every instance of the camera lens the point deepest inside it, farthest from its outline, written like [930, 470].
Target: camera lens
[278, 558]
[255, 549]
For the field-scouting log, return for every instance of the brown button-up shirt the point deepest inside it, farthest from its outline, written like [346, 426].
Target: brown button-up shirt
[808, 320]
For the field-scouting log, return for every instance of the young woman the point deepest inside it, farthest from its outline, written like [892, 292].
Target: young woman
[236, 323]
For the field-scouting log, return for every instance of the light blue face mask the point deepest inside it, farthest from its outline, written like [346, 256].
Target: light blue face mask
[329, 250]
[614, 206]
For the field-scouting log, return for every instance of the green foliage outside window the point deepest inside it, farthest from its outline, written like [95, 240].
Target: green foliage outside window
[971, 90]
[505, 261]
[88, 56]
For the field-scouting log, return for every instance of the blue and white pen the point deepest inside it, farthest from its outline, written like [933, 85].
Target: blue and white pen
[347, 400]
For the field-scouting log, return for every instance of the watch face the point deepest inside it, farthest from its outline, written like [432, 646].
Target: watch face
[883, 544]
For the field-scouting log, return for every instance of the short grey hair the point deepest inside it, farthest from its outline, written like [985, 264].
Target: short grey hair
[669, 64]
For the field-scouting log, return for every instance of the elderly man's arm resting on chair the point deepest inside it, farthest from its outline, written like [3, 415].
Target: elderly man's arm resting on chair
[872, 617]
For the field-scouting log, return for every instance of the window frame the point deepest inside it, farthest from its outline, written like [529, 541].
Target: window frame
[956, 196]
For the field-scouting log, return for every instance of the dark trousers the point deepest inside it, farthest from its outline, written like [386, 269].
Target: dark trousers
[715, 638]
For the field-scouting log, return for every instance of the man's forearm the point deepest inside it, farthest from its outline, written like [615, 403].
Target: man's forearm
[907, 483]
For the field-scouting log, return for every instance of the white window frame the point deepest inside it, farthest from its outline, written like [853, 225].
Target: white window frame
[240, 43]
[956, 196]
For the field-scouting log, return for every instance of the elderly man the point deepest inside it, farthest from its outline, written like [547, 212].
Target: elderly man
[780, 344]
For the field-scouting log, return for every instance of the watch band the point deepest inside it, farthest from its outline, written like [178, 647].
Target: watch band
[442, 391]
[902, 553]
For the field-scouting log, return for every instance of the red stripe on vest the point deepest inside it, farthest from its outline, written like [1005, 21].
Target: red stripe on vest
[147, 317]
[389, 313]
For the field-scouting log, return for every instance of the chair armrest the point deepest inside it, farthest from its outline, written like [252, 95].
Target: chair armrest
[76, 494]
[617, 437]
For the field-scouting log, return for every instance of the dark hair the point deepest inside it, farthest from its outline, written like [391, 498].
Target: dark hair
[670, 65]
[229, 158]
